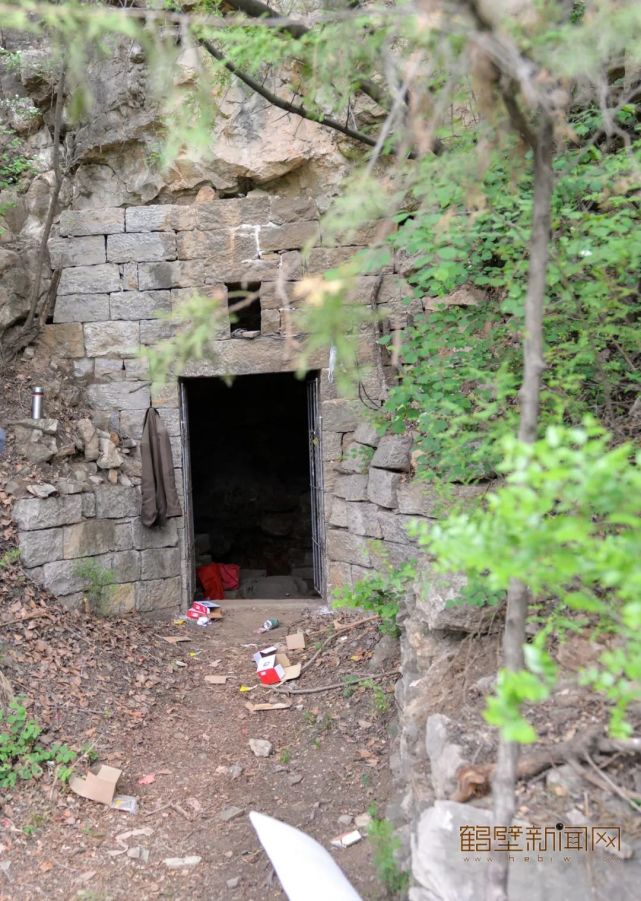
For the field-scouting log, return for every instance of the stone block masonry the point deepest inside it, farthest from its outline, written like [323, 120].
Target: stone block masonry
[123, 271]
[101, 524]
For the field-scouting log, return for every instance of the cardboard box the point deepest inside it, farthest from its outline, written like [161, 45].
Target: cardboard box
[99, 786]
[260, 655]
[275, 668]
[204, 610]
[271, 671]
[296, 641]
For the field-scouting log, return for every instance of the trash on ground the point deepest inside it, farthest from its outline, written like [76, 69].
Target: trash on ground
[269, 624]
[174, 639]
[245, 688]
[148, 779]
[254, 708]
[216, 680]
[346, 839]
[274, 668]
[296, 641]
[202, 612]
[138, 853]
[125, 802]
[99, 786]
[174, 863]
[260, 747]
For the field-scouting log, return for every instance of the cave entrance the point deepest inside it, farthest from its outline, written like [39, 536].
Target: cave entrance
[253, 482]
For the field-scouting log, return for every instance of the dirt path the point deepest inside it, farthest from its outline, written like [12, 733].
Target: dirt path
[329, 760]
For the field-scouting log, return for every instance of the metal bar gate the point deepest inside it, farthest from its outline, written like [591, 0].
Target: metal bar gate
[316, 483]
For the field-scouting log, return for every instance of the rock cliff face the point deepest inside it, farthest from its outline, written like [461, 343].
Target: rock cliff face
[112, 157]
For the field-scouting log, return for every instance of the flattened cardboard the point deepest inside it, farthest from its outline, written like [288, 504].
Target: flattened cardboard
[292, 672]
[100, 786]
[296, 641]
[254, 708]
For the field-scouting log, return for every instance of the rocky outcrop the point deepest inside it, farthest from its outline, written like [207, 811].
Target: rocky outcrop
[112, 158]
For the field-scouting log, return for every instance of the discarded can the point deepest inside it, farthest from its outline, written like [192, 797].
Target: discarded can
[269, 624]
[37, 396]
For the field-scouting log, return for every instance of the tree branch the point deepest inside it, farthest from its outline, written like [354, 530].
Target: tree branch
[258, 10]
[514, 111]
[53, 201]
[504, 782]
[275, 100]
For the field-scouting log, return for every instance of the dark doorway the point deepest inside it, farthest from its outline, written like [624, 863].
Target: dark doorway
[251, 503]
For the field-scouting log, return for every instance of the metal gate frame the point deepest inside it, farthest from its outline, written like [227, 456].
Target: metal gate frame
[188, 512]
[316, 482]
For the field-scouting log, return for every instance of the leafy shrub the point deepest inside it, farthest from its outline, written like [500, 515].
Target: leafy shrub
[13, 164]
[462, 363]
[385, 845]
[21, 754]
[382, 593]
[567, 522]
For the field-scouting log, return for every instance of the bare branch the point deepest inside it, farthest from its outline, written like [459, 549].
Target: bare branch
[257, 10]
[514, 111]
[275, 100]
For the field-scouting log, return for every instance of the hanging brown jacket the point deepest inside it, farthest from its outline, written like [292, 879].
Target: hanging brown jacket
[159, 497]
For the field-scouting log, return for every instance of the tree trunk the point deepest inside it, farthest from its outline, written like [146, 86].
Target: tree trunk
[43, 254]
[504, 783]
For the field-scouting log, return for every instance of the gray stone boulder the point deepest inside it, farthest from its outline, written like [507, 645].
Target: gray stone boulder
[442, 871]
[110, 457]
[435, 594]
[366, 433]
[356, 458]
[382, 487]
[393, 452]
[90, 439]
[444, 755]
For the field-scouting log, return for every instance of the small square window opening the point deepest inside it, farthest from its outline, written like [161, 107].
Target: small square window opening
[243, 301]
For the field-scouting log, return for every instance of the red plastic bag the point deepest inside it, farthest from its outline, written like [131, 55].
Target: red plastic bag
[210, 577]
[230, 573]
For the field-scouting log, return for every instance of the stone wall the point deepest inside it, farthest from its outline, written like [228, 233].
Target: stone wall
[120, 268]
[101, 524]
